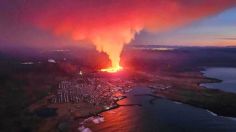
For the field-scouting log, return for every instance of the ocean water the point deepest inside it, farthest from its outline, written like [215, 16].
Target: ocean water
[227, 75]
[159, 115]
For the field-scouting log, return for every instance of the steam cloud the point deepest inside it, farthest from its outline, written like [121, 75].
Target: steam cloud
[110, 24]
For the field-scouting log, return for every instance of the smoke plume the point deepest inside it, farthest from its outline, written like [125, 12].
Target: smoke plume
[111, 24]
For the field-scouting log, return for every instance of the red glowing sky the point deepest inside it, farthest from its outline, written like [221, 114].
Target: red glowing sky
[107, 24]
[53, 22]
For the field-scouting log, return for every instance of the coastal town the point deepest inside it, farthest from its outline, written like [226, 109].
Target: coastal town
[94, 90]
[75, 99]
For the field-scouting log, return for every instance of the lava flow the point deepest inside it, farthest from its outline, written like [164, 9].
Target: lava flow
[112, 69]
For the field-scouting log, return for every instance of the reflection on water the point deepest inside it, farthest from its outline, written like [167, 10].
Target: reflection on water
[160, 116]
[227, 75]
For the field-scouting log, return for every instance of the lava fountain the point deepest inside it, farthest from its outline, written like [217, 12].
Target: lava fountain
[112, 69]
[113, 42]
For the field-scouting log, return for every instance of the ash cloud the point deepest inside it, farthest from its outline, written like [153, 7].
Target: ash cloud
[110, 24]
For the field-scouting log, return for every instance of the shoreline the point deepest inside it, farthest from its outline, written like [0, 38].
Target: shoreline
[213, 80]
[190, 93]
[178, 102]
[213, 90]
[154, 97]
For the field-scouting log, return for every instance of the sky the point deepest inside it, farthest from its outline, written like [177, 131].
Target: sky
[215, 30]
[111, 24]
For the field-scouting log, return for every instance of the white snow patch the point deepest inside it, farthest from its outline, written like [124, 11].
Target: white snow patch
[84, 129]
[87, 130]
[51, 61]
[97, 120]
[27, 63]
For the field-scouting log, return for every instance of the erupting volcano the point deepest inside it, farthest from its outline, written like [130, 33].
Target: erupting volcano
[112, 41]
[109, 24]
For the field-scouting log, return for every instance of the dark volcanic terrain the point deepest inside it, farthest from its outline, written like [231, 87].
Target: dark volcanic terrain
[30, 82]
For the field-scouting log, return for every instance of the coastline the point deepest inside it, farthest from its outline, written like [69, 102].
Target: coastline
[212, 80]
[185, 90]
[154, 97]
[189, 91]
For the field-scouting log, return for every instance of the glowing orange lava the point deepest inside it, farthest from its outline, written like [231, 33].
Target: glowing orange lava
[112, 69]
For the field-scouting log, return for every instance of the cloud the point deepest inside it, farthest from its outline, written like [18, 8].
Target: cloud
[228, 38]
